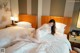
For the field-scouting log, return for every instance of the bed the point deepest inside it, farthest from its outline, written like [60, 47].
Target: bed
[10, 34]
[49, 44]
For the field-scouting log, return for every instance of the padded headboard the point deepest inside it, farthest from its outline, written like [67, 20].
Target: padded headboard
[29, 18]
[65, 20]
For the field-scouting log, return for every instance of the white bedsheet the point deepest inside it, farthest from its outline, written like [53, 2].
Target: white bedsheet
[48, 44]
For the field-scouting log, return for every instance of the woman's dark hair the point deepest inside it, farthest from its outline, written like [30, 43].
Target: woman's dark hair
[53, 27]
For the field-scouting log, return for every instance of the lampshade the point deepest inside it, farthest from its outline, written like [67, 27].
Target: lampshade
[78, 23]
[12, 18]
[15, 19]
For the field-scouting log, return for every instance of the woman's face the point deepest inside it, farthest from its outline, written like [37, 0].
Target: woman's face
[51, 24]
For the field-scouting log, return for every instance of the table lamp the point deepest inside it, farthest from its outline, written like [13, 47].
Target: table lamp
[12, 18]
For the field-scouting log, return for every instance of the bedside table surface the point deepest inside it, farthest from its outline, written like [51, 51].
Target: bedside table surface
[76, 39]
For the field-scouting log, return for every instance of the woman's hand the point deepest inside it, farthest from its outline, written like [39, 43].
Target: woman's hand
[73, 51]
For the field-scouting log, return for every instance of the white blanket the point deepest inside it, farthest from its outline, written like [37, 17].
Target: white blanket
[12, 34]
[48, 44]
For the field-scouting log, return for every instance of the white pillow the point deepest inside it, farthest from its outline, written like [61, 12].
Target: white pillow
[60, 27]
[24, 24]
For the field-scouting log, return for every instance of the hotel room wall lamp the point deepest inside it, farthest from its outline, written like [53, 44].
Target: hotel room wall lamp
[16, 19]
[78, 22]
[13, 19]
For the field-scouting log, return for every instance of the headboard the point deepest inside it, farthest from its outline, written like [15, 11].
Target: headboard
[65, 20]
[29, 18]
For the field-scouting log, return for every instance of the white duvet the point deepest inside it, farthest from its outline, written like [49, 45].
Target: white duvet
[12, 34]
[48, 44]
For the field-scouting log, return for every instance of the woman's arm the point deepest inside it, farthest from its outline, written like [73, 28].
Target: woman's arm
[38, 31]
[73, 51]
[42, 27]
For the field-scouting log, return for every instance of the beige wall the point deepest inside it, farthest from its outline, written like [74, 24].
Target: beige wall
[28, 7]
[39, 12]
[34, 7]
[69, 8]
[22, 6]
[14, 8]
[29, 4]
[46, 7]
[5, 14]
[57, 7]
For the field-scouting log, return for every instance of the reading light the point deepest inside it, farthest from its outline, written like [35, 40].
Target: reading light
[12, 18]
[16, 19]
[78, 23]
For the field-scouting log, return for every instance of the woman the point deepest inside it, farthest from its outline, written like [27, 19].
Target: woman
[46, 28]
[50, 29]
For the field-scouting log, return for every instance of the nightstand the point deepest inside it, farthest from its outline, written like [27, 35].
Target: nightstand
[74, 38]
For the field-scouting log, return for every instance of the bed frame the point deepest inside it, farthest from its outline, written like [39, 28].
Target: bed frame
[65, 20]
[29, 18]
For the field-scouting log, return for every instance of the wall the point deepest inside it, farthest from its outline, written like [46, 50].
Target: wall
[5, 13]
[28, 7]
[57, 7]
[40, 3]
[14, 8]
[46, 7]
[69, 7]
[34, 7]
[22, 6]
